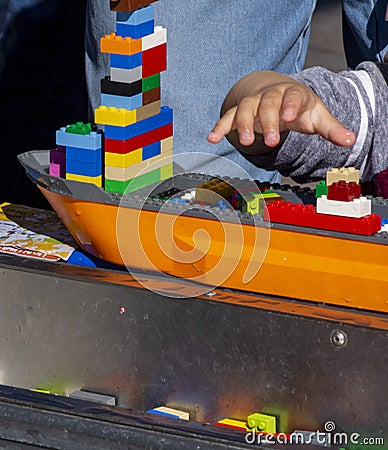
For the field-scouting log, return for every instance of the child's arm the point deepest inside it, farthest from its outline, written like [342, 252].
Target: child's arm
[358, 100]
[271, 104]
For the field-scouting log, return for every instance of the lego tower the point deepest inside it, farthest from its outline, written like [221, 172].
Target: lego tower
[137, 129]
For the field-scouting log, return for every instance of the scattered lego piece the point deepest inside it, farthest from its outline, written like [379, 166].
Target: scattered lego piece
[93, 397]
[183, 415]
[262, 423]
[358, 207]
[342, 174]
[306, 216]
[232, 423]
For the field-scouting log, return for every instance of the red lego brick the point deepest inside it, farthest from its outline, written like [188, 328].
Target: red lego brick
[343, 191]
[306, 216]
[154, 60]
[128, 5]
[142, 140]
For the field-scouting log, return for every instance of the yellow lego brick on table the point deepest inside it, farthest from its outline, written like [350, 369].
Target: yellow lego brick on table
[111, 43]
[127, 173]
[347, 174]
[124, 160]
[85, 179]
[109, 115]
[232, 423]
[262, 423]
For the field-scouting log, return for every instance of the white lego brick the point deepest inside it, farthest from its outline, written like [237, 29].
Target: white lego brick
[358, 207]
[93, 397]
[175, 412]
[158, 37]
[126, 75]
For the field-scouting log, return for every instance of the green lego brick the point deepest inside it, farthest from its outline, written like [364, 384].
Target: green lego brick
[79, 128]
[126, 187]
[320, 189]
[151, 82]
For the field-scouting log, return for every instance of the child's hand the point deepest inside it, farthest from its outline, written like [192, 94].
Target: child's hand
[269, 103]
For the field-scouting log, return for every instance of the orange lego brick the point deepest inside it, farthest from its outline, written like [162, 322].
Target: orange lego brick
[111, 43]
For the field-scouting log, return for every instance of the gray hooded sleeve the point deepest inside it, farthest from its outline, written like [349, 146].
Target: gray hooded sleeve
[358, 99]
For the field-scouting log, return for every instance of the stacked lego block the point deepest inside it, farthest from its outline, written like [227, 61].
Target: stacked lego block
[138, 131]
[83, 152]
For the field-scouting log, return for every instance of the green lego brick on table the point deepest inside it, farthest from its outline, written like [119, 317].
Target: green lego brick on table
[134, 184]
[321, 189]
[79, 128]
[151, 82]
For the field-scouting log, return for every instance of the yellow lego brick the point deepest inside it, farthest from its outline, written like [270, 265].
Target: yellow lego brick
[166, 146]
[232, 423]
[111, 43]
[123, 160]
[127, 173]
[347, 174]
[270, 195]
[262, 423]
[93, 180]
[120, 117]
[166, 171]
[152, 109]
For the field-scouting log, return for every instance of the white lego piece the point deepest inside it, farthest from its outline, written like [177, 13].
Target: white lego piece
[347, 174]
[126, 75]
[175, 412]
[93, 397]
[158, 37]
[358, 207]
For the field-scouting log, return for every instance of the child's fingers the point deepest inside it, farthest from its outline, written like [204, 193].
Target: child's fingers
[293, 100]
[223, 127]
[244, 120]
[331, 129]
[268, 112]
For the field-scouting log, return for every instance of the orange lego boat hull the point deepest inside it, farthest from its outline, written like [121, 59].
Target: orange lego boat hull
[299, 265]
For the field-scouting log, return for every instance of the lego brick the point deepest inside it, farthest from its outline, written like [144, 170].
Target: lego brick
[58, 155]
[116, 146]
[342, 173]
[57, 170]
[79, 128]
[150, 82]
[166, 171]
[306, 216]
[84, 168]
[128, 5]
[151, 109]
[158, 37]
[166, 145]
[151, 96]
[161, 413]
[149, 151]
[92, 141]
[359, 207]
[82, 154]
[129, 172]
[154, 60]
[135, 31]
[114, 44]
[93, 397]
[232, 424]
[118, 101]
[320, 189]
[119, 88]
[126, 61]
[262, 423]
[343, 191]
[119, 160]
[119, 117]
[85, 179]
[126, 75]
[137, 16]
[183, 415]
[134, 184]
[163, 118]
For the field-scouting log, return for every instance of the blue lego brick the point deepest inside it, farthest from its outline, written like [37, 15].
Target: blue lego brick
[118, 101]
[135, 31]
[137, 128]
[83, 154]
[138, 16]
[152, 150]
[160, 413]
[126, 61]
[90, 141]
[84, 168]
